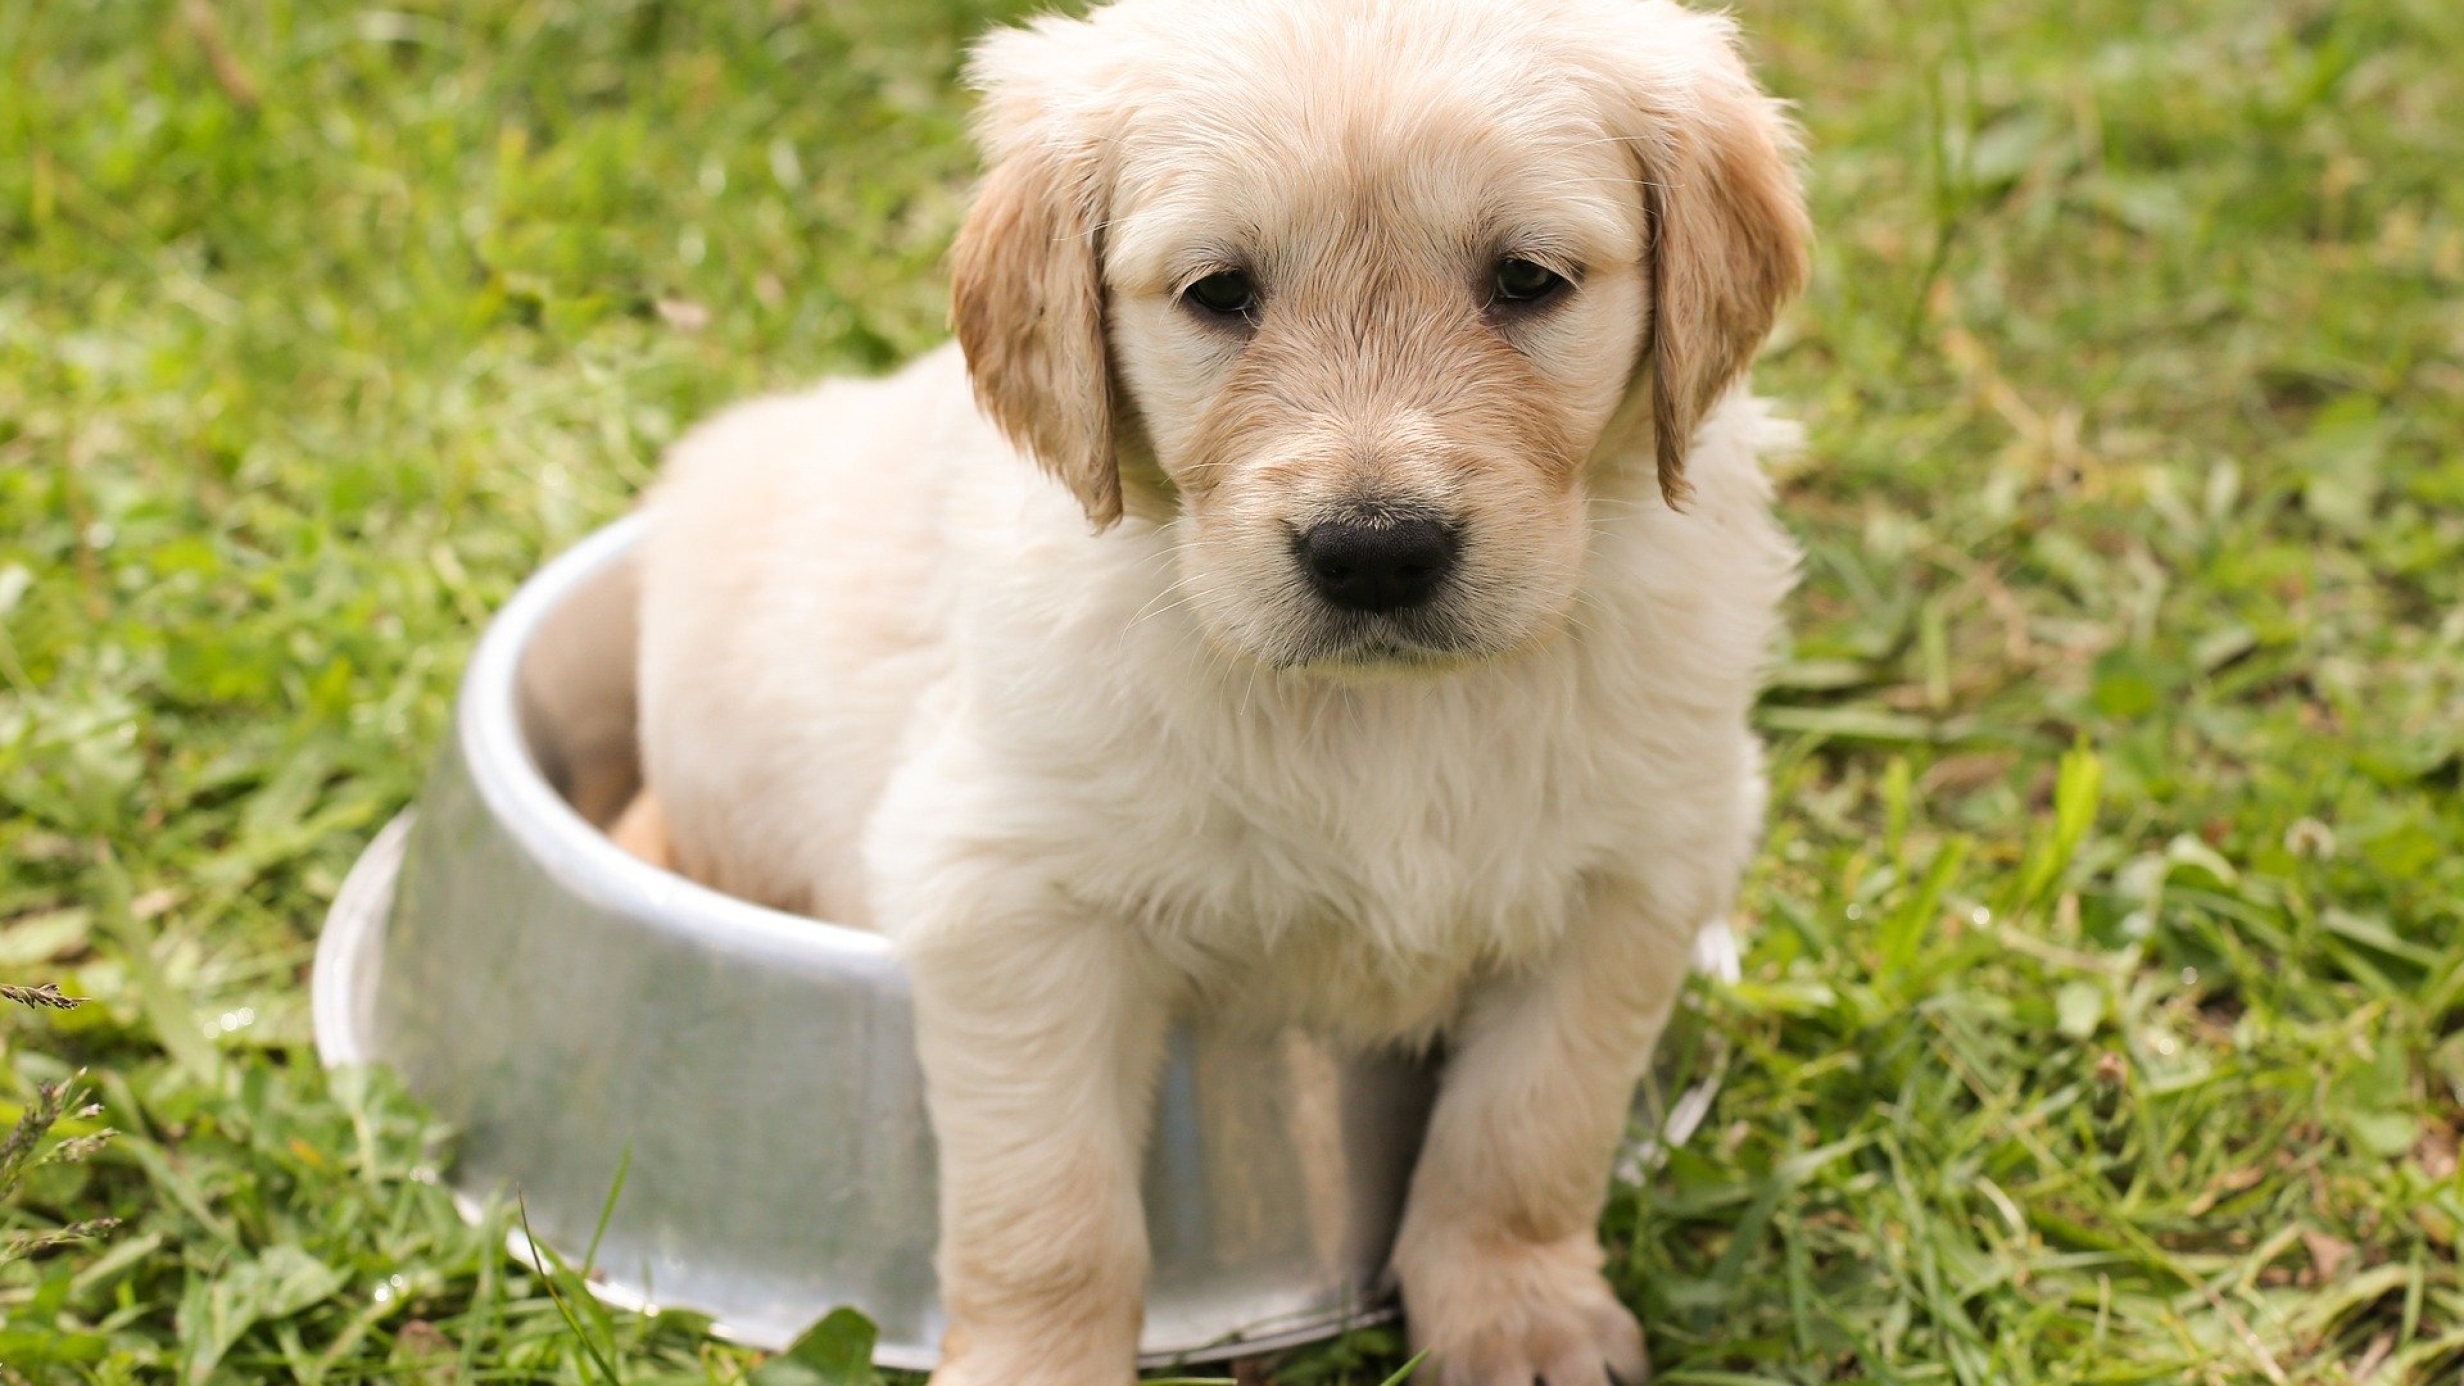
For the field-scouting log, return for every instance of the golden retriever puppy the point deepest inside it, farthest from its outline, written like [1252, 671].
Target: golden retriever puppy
[1328, 577]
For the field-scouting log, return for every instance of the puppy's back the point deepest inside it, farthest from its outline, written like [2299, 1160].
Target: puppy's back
[792, 615]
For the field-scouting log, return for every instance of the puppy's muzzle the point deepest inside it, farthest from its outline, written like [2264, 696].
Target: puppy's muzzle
[1377, 566]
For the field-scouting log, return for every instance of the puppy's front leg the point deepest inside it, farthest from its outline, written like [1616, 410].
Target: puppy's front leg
[1498, 1256]
[1040, 1032]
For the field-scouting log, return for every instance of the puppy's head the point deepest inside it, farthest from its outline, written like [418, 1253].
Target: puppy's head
[1358, 293]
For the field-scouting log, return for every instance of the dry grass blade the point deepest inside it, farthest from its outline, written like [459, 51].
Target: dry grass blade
[232, 75]
[24, 1244]
[45, 996]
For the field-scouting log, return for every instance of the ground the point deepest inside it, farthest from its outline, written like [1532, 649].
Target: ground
[2104, 973]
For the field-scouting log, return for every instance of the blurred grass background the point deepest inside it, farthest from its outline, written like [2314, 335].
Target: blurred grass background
[2102, 1004]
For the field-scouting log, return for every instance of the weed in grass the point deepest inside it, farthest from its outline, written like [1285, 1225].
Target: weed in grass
[838, 1351]
[22, 1149]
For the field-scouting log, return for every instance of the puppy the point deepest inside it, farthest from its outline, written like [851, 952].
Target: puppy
[1328, 577]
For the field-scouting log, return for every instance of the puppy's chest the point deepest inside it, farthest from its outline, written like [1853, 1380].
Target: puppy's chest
[1384, 864]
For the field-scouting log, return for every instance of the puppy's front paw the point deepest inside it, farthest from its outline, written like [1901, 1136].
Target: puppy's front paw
[1517, 1313]
[1041, 1360]
[980, 1372]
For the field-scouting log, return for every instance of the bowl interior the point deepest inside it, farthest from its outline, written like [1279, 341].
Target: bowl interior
[574, 698]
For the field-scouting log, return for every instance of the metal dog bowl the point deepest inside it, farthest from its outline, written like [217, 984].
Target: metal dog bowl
[571, 1010]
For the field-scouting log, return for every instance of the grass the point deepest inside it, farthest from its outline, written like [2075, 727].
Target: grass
[2104, 1016]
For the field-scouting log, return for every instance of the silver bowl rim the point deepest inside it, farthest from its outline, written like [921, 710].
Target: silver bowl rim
[584, 860]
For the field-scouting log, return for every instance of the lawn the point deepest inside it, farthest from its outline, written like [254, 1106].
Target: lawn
[2103, 1018]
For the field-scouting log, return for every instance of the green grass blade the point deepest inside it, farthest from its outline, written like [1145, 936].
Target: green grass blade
[551, 1269]
[1404, 1373]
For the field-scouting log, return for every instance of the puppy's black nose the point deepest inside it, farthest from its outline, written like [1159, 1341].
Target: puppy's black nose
[1383, 566]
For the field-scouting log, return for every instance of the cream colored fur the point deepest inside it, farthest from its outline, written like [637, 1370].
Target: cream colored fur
[1092, 752]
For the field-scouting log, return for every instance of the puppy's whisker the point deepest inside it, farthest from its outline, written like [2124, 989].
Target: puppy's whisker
[1166, 603]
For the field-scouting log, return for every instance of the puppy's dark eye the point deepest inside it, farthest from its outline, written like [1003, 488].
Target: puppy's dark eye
[1225, 293]
[1521, 281]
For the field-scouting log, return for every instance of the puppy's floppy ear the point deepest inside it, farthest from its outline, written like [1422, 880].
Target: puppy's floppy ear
[1729, 234]
[1027, 290]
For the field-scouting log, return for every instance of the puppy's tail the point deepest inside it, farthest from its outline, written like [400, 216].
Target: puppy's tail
[642, 830]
